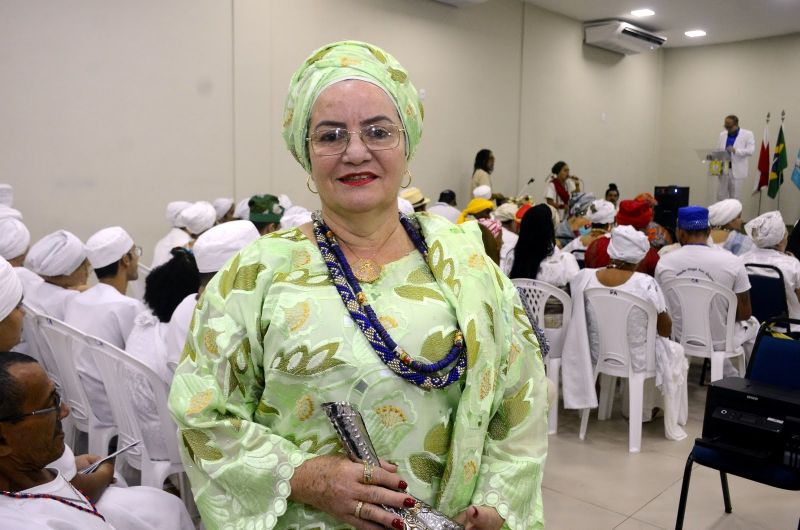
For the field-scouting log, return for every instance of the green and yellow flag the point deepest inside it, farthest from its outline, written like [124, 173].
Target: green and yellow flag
[779, 163]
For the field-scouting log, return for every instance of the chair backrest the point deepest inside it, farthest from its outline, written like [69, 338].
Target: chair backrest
[692, 299]
[580, 257]
[776, 356]
[534, 295]
[613, 308]
[767, 291]
[122, 377]
[32, 336]
[60, 346]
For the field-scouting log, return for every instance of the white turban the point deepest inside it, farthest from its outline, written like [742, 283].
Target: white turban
[628, 244]
[601, 212]
[10, 289]
[56, 254]
[242, 210]
[219, 244]
[766, 230]
[6, 195]
[108, 246]
[482, 192]
[14, 238]
[222, 205]
[295, 216]
[723, 212]
[405, 206]
[198, 217]
[7, 212]
[506, 212]
[174, 209]
[285, 201]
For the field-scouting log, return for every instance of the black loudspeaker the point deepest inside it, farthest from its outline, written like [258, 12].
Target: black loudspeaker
[670, 198]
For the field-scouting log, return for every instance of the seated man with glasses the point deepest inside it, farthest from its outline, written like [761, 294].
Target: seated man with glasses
[104, 311]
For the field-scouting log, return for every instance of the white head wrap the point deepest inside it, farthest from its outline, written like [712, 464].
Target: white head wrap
[222, 205]
[14, 238]
[405, 206]
[242, 210]
[108, 246]
[628, 244]
[767, 230]
[216, 246]
[482, 192]
[723, 212]
[285, 201]
[7, 212]
[601, 212]
[295, 216]
[506, 212]
[174, 209]
[56, 254]
[6, 194]
[198, 217]
[10, 289]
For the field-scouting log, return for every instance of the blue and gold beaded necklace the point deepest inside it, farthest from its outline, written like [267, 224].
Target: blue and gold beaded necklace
[424, 375]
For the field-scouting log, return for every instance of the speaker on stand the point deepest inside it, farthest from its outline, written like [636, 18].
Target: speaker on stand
[670, 198]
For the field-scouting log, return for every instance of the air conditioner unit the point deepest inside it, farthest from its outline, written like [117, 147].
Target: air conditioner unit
[621, 37]
[461, 3]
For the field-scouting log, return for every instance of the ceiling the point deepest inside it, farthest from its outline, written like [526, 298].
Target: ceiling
[723, 20]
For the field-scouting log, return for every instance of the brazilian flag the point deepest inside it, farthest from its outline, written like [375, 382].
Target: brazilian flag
[779, 163]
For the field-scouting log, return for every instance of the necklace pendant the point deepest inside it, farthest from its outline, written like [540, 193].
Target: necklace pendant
[367, 270]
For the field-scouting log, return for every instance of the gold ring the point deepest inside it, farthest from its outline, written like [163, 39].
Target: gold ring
[367, 473]
[357, 512]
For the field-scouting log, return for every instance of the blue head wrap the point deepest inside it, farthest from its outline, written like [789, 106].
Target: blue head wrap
[693, 218]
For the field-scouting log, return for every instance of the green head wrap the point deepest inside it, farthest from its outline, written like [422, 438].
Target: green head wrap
[265, 209]
[340, 61]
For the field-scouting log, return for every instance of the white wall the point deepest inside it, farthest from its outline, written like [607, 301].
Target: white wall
[704, 84]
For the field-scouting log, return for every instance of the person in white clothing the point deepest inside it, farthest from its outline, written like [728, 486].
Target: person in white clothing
[560, 186]
[446, 206]
[60, 259]
[14, 241]
[11, 313]
[38, 471]
[294, 215]
[242, 210]
[581, 351]
[601, 213]
[536, 255]
[103, 311]
[197, 218]
[225, 208]
[696, 259]
[211, 251]
[482, 169]
[176, 237]
[741, 144]
[770, 236]
[505, 214]
[725, 218]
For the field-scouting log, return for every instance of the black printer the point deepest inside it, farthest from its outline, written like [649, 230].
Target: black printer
[753, 419]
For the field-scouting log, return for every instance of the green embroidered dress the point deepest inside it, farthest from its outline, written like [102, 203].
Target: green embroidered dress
[271, 341]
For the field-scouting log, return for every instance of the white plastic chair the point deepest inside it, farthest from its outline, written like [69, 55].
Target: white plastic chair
[612, 309]
[136, 288]
[534, 295]
[62, 344]
[694, 297]
[120, 373]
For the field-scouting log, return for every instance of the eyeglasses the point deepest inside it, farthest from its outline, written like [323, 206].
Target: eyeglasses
[329, 142]
[137, 251]
[55, 408]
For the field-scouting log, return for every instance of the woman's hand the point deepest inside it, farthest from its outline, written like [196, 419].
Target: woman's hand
[480, 518]
[335, 485]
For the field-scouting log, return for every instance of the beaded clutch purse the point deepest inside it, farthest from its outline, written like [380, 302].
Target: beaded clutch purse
[357, 445]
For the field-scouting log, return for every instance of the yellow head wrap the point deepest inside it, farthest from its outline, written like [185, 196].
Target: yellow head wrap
[475, 206]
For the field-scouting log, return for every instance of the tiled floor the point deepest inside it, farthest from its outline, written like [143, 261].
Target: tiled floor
[596, 484]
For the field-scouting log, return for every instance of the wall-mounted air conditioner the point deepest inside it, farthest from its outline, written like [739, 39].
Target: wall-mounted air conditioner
[621, 37]
[461, 3]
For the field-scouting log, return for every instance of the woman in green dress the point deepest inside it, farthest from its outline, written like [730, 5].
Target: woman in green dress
[405, 317]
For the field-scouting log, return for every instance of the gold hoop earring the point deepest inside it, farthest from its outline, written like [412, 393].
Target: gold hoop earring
[308, 185]
[410, 178]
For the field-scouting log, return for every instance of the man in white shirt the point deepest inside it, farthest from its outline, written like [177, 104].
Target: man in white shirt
[769, 233]
[103, 311]
[176, 237]
[59, 258]
[741, 144]
[696, 259]
[446, 206]
[505, 213]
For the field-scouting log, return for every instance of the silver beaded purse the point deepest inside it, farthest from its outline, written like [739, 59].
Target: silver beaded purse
[352, 432]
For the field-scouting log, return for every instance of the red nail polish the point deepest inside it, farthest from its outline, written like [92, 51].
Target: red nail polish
[408, 502]
[474, 512]
[399, 524]
[403, 485]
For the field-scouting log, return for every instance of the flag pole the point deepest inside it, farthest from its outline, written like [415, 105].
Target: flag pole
[783, 117]
[761, 190]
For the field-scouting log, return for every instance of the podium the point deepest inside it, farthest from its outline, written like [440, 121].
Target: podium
[718, 161]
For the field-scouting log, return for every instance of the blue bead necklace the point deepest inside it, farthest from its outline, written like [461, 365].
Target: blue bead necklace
[424, 375]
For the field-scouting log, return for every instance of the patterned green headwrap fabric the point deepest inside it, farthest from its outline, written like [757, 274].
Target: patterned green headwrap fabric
[341, 61]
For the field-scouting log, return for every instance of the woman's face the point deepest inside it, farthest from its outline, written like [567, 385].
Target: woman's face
[357, 180]
[11, 328]
[612, 196]
[737, 223]
[490, 163]
[564, 173]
